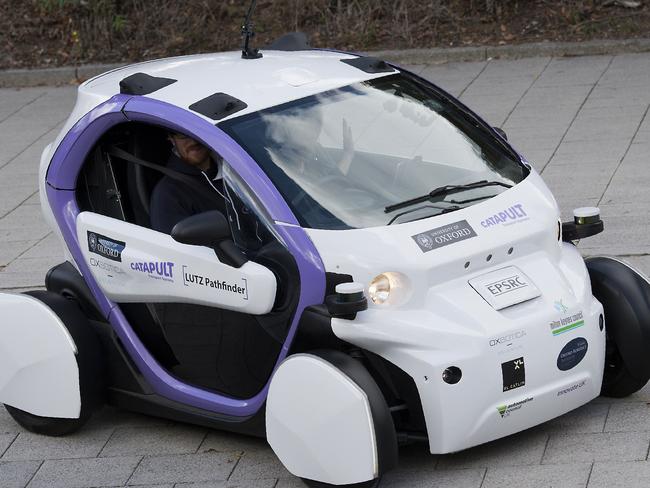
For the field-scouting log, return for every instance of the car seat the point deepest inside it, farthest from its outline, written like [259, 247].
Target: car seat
[150, 144]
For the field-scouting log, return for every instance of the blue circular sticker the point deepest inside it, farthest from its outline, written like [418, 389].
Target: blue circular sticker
[572, 354]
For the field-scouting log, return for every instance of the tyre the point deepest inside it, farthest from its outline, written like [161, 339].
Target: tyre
[46, 425]
[617, 380]
[366, 484]
[625, 296]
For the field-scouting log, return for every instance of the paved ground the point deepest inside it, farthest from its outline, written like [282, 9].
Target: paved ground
[582, 122]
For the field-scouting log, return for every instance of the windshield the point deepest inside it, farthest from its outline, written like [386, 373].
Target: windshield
[343, 157]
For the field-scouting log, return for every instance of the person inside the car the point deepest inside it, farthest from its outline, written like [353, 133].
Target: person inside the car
[173, 200]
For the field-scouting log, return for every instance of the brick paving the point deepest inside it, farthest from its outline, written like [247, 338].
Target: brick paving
[582, 122]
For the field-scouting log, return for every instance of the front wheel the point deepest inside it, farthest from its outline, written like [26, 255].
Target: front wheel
[625, 296]
[617, 380]
[46, 425]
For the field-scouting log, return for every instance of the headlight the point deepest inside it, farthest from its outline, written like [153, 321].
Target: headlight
[379, 289]
[390, 288]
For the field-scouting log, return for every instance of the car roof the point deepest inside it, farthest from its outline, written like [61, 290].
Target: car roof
[278, 77]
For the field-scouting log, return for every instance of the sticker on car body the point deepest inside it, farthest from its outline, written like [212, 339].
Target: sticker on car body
[505, 287]
[444, 236]
[572, 353]
[105, 246]
[514, 374]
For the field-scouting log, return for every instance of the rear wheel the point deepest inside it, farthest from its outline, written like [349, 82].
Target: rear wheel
[46, 425]
[90, 363]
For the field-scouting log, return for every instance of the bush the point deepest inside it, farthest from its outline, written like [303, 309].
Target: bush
[42, 32]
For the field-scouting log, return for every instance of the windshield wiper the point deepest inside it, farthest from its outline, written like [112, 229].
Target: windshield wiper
[442, 210]
[443, 191]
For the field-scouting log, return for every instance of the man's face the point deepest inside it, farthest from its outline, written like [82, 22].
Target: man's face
[191, 151]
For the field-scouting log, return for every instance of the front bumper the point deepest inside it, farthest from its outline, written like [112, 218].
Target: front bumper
[458, 328]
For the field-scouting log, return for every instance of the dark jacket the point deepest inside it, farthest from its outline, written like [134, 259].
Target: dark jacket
[173, 200]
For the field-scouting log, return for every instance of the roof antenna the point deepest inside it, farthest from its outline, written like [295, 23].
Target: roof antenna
[247, 33]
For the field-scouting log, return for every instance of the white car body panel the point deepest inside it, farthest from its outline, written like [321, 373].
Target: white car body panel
[37, 360]
[153, 267]
[335, 443]
[438, 320]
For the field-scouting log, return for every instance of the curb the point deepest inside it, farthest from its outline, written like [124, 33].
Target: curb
[72, 75]
[66, 75]
[515, 51]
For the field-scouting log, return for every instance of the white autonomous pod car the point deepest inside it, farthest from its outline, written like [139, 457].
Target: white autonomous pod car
[387, 268]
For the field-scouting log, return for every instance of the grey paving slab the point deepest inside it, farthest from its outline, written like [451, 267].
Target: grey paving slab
[615, 97]
[13, 100]
[573, 118]
[184, 468]
[628, 417]
[154, 440]
[22, 273]
[264, 483]
[627, 231]
[545, 476]
[25, 127]
[227, 442]
[443, 478]
[86, 443]
[620, 475]
[5, 441]
[259, 464]
[12, 249]
[49, 246]
[519, 449]
[157, 485]
[570, 72]
[24, 217]
[16, 474]
[587, 419]
[590, 151]
[609, 446]
[7, 424]
[82, 473]
[453, 77]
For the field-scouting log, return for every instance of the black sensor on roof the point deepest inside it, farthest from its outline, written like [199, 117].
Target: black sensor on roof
[143, 84]
[292, 41]
[218, 106]
[369, 64]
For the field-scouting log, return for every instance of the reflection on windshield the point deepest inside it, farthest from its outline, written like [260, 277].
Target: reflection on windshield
[340, 157]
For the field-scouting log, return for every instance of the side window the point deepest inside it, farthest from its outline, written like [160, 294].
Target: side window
[112, 186]
[147, 176]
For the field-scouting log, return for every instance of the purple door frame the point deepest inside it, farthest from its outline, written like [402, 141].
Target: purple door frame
[61, 183]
